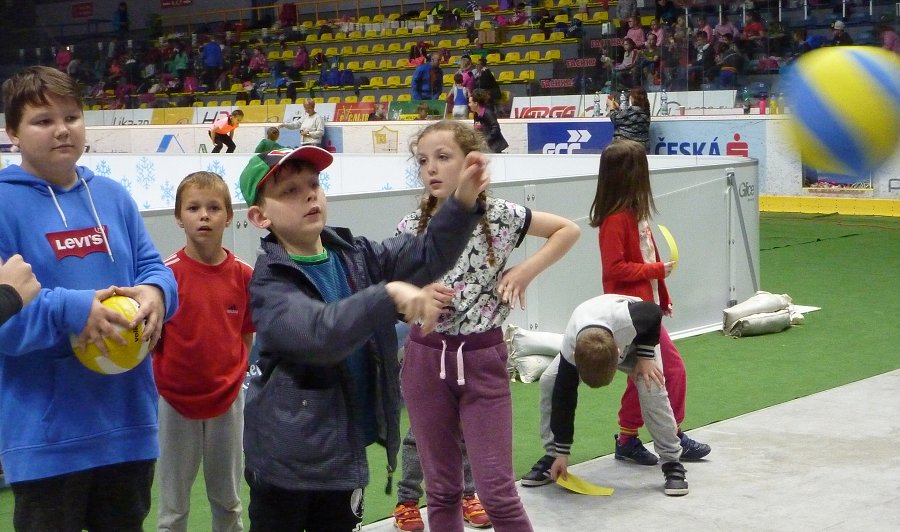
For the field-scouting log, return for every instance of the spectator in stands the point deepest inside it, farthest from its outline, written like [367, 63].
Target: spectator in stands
[624, 72]
[178, 64]
[287, 17]
[729, 63]
[657, 29]
[725, 28]
[702, 24]
[416, 57]
[754, 36]
[486, 121]
[428, 79]
[300, 64]
[545, 22]
[633, 122]
[703, 68]
[212, 60]
[190, 84]
[650, 57]
[666, 12]
[63, 58]
[311, 126]
[519, 16]
[485, 80]
[800, 44]
[839, 37]
[258, 64]
[379, 113]
[624, 11]
[635, 32]
[888, 37]
[120, 20]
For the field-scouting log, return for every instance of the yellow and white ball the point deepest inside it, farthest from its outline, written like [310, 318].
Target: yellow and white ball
[121, 357]
[845, 102]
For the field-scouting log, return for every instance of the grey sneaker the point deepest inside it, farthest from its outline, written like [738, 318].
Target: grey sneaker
[676, 483]
[540, 472]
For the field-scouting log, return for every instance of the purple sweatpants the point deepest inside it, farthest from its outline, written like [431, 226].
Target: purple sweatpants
[474, 397]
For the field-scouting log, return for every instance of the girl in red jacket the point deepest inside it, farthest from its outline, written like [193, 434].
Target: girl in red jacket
[622, 208]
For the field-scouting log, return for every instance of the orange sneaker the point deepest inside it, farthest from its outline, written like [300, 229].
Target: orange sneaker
[474, 514]
[408, 517]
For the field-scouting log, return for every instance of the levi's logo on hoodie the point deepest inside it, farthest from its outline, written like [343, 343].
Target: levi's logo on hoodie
[77, 242]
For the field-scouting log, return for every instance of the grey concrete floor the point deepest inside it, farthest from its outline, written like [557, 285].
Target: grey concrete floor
[829, 461]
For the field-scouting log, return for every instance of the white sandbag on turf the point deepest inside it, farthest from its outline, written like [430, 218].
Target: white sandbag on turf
[760, 303]
[763, 323]
[530, 352]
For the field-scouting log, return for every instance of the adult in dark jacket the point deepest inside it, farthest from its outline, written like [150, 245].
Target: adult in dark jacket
[486, 120]
[633, 122]
[428, 79]
[329, 382]
[18, 286]
[485, 79]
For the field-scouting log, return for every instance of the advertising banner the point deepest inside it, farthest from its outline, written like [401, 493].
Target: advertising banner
[546, 107]
[569, 137]
[354, 112]
[417, 110]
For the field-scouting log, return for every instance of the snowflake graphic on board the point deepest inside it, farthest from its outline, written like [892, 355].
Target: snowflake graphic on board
[125, 182]
[325, 181]
[146, 205]
[387, 186]
[145, 172]
[167, 193]
[103, 168]
[216, 167]
[238, 195]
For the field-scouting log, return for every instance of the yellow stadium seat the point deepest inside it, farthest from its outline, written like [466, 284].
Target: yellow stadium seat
[526, 75]
[557, 36]
[553, 55]
[506, 76]
[385, 64]
[393, 81]
[600, 16]
[371, 34]
[143, 106]
[462, 42]
[364, 19]
[393, 16]
[307, 24]
[444, 43]
[326, 37]
[402, 62]
[197, 104]
[285, 101]
[212, 103]
[311, 37]
[347, 50]
[505, 96]
[561, 18]
[448, 79]
[378, 48]
[287, 55]
[314, 51]
[485, 25]
[492, 59]
[334, 99]
[434, 28]
[355, 35]
[405, 97]
[519, 38]
[273, 55]
[376, 81]
[532, 55]
[512, 57]
[331, 51]
[254, 102]
[353, 65]
[351, 99]
[368, 98]
[387, 32]
[317, 99]
[369, 65]
[647, 19]
[536, 37]
[340, 36]
[407, 81]
[386, 98]
[395, 47]
[377, 19]
[418, 30]
[236, 87]
[362, 49]
[401, 31]
[454, 60]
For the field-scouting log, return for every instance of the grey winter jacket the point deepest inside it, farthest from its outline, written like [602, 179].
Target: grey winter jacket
[301, 428]
[632, 123]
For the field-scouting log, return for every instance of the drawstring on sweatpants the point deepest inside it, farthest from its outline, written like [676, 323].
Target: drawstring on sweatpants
[460, 371]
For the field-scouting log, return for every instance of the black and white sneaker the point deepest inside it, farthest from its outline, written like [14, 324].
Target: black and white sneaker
[540, 472]
[676, 483]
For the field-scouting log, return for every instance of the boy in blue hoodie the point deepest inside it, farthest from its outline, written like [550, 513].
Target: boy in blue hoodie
[78, 447]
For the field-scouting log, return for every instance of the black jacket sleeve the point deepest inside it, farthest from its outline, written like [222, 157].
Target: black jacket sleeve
[10, 302]
[565, 400]
[647, 319]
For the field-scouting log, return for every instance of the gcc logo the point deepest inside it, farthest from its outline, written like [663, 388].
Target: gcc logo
[576, 137]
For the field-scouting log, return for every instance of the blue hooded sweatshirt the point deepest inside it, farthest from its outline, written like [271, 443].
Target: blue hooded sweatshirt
[56, 415]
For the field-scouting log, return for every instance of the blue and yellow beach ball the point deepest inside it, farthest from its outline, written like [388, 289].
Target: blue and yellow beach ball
[845, 103]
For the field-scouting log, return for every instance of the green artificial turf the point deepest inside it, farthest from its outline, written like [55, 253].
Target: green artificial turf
[846, 265]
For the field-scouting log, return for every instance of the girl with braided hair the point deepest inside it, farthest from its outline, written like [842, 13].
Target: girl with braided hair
[454, 380]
